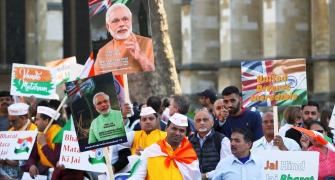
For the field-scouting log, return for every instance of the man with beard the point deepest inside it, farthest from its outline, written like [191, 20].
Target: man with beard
[239, 117]
[126, 52]
[310, 112]
[170, 158]
[242, 164]
[5, 101]
[211, 146]
[102, 126]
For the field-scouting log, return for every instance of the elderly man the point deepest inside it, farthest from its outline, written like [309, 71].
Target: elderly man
[243, 164]
[45, 153]
[19, 121]
[109, 120]
[149, 133]
[5, 101]
[273, 142]
[170, 158]
[210, 146]
[127, 52]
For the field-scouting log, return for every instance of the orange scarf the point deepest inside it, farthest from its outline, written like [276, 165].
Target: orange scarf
[184, 153]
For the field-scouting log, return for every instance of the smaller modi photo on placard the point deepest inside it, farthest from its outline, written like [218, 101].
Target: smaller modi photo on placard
[121, 36]
[96, 112]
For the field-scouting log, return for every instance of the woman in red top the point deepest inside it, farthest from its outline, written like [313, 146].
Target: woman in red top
[326, 158]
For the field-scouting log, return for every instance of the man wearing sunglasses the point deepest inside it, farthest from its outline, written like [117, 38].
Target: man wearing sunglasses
[310, 113]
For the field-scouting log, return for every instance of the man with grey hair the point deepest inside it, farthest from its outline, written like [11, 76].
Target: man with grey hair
[126, 52]
[109, 120]
[210, 146]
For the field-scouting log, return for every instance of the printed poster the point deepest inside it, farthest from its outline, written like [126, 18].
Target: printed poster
[67, 69]
[96, 112]
[16, 145]
[290, 164]
[274, 82]
[31, 80]
[72, 158]
[121, 40]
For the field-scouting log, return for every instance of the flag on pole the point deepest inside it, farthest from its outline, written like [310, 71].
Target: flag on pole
[317, 136]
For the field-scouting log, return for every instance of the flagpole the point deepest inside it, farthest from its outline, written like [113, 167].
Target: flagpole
[53, 118]
[275, 120]
[108, 156]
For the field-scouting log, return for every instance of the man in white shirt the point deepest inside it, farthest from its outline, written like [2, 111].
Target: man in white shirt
[273, 142]
[242, 165]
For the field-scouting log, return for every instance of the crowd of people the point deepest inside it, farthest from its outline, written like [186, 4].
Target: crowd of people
[221, 141]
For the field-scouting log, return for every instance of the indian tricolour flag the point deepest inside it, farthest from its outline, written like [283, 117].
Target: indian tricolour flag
[317, 136]
[23, 145]
[97, 158]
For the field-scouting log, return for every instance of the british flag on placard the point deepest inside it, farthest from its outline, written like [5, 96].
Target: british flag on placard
[280, 83]
[99, 6]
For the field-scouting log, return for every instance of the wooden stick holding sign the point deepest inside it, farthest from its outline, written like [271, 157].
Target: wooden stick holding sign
[126, 94]
[275, 120]
[108, 157]
[53, 118]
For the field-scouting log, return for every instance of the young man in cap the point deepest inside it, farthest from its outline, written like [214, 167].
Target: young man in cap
[45, 153]
[170, 158]
[207, 99]
[149, 133]
[5, 101]
[19, 121]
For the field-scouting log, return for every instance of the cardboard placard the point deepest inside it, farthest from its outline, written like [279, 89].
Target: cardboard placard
[274, 82]
[16, 145]
[30, 80]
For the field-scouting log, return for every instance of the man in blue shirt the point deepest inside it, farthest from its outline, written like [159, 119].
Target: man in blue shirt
[238, 117]
[242, 164]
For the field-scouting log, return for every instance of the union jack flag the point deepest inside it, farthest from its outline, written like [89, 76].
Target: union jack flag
[250, 70]
[293, 69]
[99, 6]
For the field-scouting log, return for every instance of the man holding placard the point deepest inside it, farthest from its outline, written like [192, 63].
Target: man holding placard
[19, 121]
[273, 142]
[45, 153]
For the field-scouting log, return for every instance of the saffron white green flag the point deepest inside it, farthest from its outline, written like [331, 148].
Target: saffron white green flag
[16, 145]
[31, 80]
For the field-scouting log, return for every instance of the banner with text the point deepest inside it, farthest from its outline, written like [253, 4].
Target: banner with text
[67, 69]
[16, 145]
[332, 119]
[285, 165]
[274, 82]
[30, 80]
[72, 158]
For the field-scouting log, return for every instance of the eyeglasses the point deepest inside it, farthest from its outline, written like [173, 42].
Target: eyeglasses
[320, 131]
